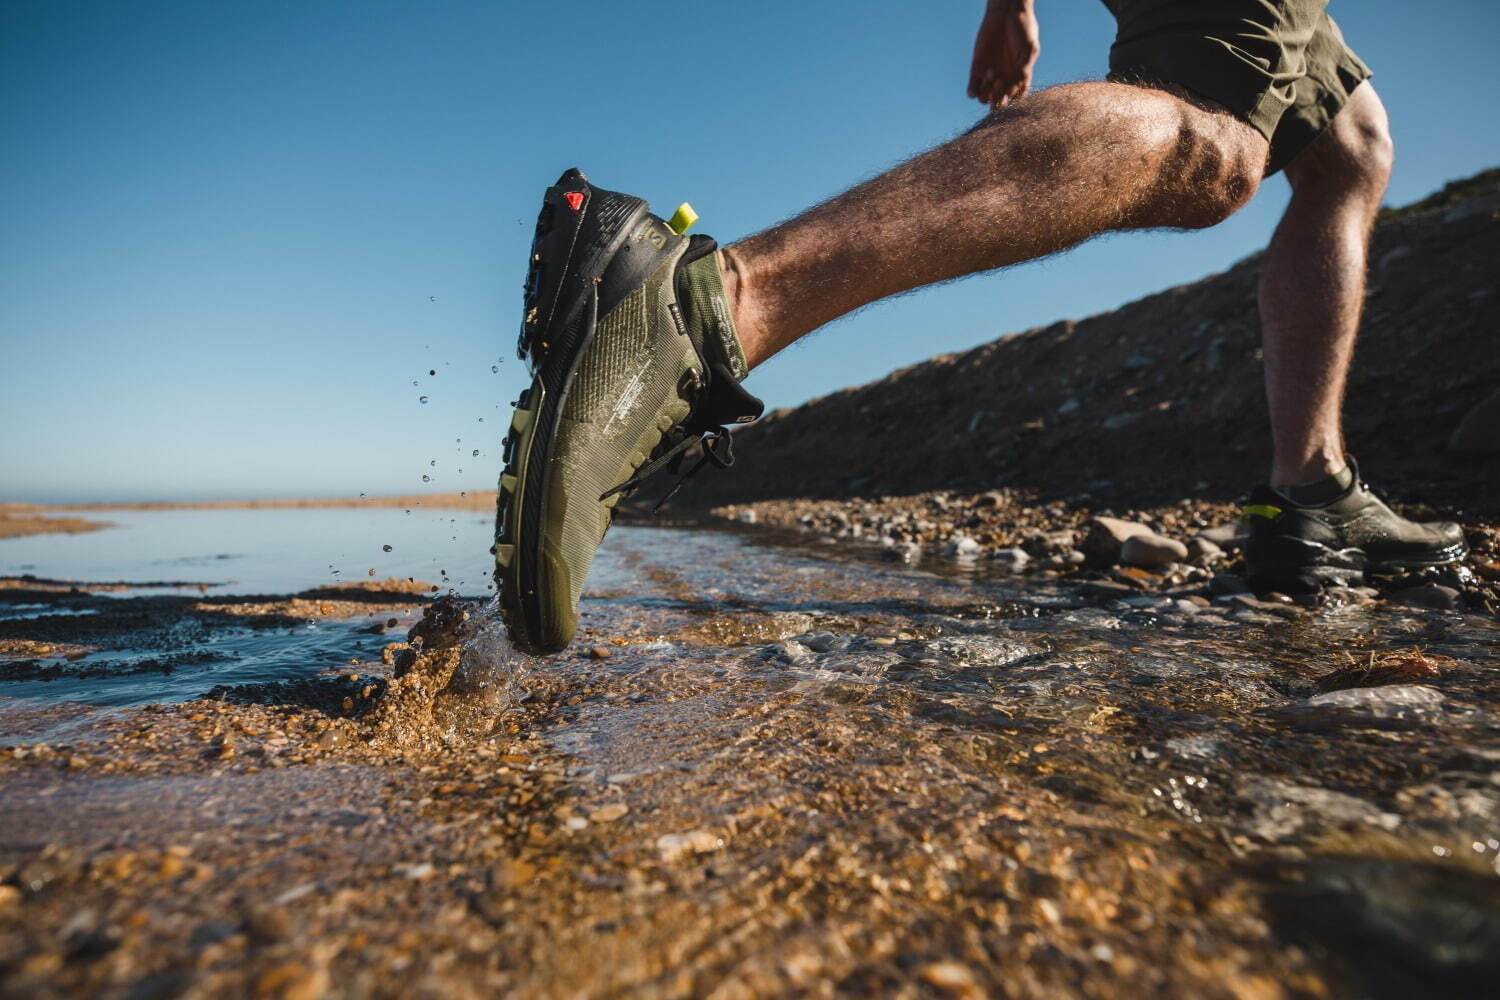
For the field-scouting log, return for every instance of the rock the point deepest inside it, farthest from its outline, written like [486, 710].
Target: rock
[994, 498]
[1229, 537]
[962, 546]
[907, 552]
[1202, 551]
[952, 978]
[1250, 602]
[1428, 595]
[1106, 536]
[1151, 551]
[1013, 560]
[676, 845]
[1225, 584]
[1283, 809]
[746, 517]
[1396, 706]
[609, 813]
[1478, 433]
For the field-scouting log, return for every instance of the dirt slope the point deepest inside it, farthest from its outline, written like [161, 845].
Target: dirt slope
[1162, 398]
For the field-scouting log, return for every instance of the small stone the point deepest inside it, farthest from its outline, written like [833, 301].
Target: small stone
[1227, 584]
[293, 981]
[952, 978]
[1013, 559]
[1151, 551]
[676, 845]
[10, 896]
[1203, 552]
[962, 546]
[746, 517]
[609, 813]
[600, 653]
[1395, 706]
[1428, 595]
[1106, 536]
[1230, 537]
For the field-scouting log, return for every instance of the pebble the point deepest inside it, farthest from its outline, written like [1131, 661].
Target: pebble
[609, 813]
[1107, 535]
[676, 845]
[1152, 551]
[1393, 706]
[962, 546]
[1012, 559]
[1428, 595]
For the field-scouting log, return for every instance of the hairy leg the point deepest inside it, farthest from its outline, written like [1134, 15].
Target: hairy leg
[1313, 286]
[1034, 178]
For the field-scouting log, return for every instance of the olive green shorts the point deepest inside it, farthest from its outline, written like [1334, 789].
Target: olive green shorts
[1280, 65]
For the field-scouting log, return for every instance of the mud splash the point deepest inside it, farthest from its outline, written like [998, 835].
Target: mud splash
[768, 772]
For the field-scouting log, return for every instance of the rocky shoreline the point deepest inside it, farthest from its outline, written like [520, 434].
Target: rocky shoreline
[1185, 556]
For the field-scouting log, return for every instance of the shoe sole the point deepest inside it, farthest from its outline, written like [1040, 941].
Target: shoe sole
[561, 310]
[1343, 568]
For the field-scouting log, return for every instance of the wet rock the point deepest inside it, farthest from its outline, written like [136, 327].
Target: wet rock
[1397, 706]
[1152, 551]
[962, 546]
[1283, 810]
[1106, 536]
[1012, 559]
[1229, 537]
[674, 846]
[1228, 584]
[1428, 595]
[609, 813]
[1478, 433]
[1249, 602]
[1203, 552]
[1403, 927]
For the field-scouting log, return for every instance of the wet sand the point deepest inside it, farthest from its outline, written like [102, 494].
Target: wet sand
[21, 524]
[773, 771]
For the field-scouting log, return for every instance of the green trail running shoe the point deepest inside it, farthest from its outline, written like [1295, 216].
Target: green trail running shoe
[1295, 548]
[634, 359]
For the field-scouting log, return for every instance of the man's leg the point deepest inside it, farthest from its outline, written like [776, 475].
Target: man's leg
[1036, 177]
[1313, 286]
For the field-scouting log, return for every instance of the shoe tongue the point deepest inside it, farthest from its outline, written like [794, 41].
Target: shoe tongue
[1319, 491]
[705, 308]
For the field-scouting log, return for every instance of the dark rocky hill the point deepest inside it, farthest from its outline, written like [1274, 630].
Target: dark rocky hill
[1162, 398]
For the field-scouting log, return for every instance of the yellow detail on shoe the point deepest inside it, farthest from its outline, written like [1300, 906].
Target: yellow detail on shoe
[503, 554]
[507, 482]
[1268, 511]
[521, 421]
[682, 220]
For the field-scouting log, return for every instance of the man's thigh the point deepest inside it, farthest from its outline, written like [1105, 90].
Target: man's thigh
[1280, 65]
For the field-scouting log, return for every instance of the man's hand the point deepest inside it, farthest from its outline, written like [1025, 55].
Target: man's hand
[1005, 52]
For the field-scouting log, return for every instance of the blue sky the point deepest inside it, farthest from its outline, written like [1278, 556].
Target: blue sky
[234, 235]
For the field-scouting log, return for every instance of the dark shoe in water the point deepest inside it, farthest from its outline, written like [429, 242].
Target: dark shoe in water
[1299, 548]
[634, 359]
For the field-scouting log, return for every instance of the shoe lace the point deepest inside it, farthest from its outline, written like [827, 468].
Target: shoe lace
[718, 449]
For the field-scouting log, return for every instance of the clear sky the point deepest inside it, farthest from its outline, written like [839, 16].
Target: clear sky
[233, 236]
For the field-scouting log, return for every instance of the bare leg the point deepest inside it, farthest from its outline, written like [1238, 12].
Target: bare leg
[1313, 286]
[1036, 177]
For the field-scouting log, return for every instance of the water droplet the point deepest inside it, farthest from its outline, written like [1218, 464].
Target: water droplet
[475, 453]
[387, 548]
[426, 478]
[421, 399]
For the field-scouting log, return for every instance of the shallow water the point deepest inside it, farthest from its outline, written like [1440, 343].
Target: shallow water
[820, 769]
[272, 551]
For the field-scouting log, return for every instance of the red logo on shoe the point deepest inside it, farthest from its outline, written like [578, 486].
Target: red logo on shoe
[574, 200]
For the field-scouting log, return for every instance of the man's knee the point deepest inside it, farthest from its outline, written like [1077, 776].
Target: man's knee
[1219, 161]
[1355, 153]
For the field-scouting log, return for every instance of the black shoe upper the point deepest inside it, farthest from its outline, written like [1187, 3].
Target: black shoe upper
[1297, 546]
